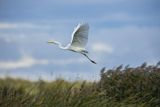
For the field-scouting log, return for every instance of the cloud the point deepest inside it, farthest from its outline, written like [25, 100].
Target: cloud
[24, 62]
[22, 25]
[29, 61]
[5, 25]
[102, 48]
[77, 2]
[68, 61]
[119, 17]
[127, 17]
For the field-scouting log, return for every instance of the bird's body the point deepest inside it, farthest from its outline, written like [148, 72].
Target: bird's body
[78, 41]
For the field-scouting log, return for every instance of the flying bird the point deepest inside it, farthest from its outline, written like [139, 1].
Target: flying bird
[78, 41]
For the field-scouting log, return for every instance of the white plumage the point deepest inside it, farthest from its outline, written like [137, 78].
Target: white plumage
[78, 40]
[80, 35]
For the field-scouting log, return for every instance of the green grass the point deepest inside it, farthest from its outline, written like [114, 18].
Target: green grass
[119, 87]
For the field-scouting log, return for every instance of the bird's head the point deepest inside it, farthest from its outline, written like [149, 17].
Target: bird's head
[53, 42]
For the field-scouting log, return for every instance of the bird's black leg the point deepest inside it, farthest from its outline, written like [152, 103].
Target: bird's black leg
[89, 58]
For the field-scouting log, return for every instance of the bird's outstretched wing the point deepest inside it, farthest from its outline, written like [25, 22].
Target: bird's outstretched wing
[80, 36]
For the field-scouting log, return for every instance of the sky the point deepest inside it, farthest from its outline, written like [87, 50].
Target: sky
[121, 32]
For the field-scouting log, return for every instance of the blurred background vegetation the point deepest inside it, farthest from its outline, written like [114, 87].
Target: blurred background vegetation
[118, 87]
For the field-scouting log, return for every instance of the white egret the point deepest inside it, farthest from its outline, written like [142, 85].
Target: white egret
[78, 41]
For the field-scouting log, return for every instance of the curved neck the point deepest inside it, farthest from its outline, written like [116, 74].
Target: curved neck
[60, 45]
[57, 43]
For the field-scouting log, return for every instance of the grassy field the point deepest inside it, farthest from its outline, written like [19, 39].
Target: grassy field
[118, 87]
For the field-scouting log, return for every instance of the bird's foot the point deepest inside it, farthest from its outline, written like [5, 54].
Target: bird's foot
[94, 62]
